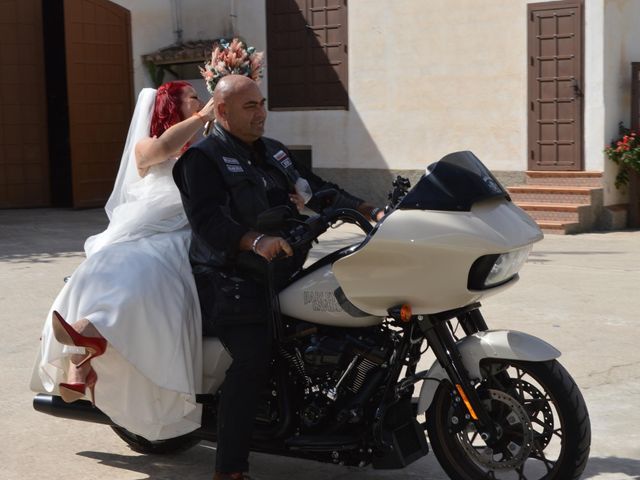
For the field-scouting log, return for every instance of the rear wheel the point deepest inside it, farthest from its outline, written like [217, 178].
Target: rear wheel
[540, 417]
[158, 447]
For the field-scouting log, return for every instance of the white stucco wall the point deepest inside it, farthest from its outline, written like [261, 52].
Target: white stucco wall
[594, 85]
[621, 47]
[153, 25]
[430, 77]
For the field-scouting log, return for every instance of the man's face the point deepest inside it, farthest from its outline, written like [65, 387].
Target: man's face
[246, 113]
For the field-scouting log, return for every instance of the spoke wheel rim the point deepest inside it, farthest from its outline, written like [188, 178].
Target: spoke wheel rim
[515, 434]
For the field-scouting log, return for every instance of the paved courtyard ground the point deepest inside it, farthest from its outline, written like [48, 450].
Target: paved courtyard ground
[580, 293]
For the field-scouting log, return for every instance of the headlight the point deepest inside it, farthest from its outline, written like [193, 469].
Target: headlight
[493, 270]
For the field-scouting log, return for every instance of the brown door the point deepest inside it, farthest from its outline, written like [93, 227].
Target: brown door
[24, 160]
[555, 85]
[99, 89]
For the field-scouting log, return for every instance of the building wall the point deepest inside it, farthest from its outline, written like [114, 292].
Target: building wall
[427, 78]
[153, 25]
[621, 47]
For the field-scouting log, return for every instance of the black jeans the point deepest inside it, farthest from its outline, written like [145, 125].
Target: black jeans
[250, 347]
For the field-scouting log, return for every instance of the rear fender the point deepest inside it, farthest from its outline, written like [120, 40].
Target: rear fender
[498, 344]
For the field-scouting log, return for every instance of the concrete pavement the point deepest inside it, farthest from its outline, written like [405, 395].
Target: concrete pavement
[580, 293]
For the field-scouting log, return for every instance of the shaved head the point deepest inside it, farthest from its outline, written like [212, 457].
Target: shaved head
[230, 85]
[240, 107]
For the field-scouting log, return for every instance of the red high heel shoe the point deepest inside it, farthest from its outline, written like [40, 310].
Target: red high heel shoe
[70, 392]
[66, 335]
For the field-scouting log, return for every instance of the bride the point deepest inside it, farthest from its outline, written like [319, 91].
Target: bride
[134, 334]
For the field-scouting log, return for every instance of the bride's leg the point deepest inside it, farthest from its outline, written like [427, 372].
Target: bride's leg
[78, 374]
[85, 328]
[80, 334]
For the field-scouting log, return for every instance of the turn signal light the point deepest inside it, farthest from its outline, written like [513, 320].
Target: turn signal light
[405, 313]
[401, 313]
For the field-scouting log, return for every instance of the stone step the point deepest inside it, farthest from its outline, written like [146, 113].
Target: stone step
[566, 212]
[558, 227]
[561, 202]
[550, 194]
[576, 179]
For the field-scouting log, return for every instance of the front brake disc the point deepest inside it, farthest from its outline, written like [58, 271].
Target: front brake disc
[515, 434]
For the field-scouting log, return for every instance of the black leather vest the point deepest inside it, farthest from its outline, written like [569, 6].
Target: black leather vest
[245, 183]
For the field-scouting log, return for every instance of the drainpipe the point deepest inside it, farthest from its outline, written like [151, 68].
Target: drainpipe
[233, 14]
[177, 18]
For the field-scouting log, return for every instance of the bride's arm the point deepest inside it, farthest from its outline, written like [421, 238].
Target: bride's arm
[152, 150]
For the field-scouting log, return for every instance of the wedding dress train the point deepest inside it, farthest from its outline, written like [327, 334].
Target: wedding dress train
[137, 289]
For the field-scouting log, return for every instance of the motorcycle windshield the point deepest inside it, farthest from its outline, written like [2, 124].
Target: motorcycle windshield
[454, 183]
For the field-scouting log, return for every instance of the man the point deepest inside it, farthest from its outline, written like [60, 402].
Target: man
[226, 181]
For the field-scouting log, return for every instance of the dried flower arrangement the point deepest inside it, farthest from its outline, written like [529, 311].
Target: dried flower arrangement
[232, 57]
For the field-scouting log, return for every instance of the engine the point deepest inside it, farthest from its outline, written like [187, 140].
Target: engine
[337, 373]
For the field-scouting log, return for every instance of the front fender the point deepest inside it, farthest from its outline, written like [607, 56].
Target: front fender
[498, 344]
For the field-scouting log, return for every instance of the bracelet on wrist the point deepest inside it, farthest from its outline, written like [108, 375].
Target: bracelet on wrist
[201, 117]
[255, 243]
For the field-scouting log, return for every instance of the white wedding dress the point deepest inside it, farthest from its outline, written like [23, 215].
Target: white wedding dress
[137, 289]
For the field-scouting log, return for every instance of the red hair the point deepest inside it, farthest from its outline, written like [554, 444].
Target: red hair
[166, 111]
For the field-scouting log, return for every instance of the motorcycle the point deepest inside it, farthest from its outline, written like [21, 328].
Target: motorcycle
[350, 329]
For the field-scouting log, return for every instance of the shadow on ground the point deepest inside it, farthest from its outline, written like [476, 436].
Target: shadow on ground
[198, 464]
[613, 468]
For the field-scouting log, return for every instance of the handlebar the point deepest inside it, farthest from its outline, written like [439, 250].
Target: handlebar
[309, 230]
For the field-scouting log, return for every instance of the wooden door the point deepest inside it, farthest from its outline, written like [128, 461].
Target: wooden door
[100, 94]
[555, 85]
[24, 160]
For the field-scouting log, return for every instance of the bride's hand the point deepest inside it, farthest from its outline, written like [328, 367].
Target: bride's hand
[207, 111]
[297, 200]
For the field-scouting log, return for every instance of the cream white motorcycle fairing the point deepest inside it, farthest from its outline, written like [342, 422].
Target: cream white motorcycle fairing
[419, 257]
[493, 344]
[423, 257]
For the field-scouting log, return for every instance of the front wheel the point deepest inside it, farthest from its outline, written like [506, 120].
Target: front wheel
[159, 447]
[540, 417]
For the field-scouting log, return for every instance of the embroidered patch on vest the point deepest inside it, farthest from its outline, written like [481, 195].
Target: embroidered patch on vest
[283, 158]
[233, 165]
[231, 161]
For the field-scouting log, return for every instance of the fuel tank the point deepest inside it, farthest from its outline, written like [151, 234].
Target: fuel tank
[316, 297]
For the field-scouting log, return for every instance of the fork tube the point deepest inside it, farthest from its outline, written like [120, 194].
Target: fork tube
[446, 351]
[472, 322]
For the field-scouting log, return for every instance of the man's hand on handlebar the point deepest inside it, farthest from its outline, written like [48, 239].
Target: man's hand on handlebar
[271, 248]
[267, 246]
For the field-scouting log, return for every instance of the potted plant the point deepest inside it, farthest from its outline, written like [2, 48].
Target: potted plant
[625, 152]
